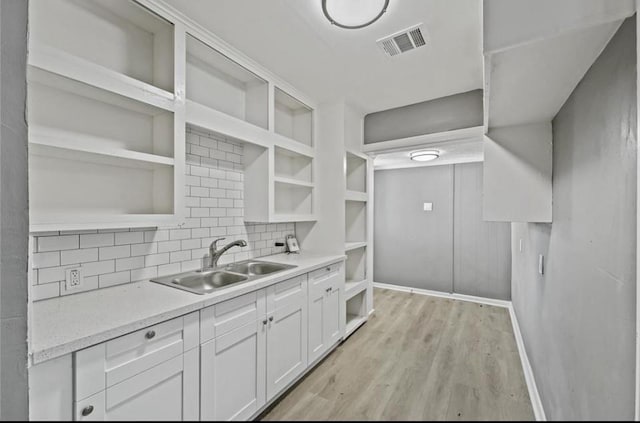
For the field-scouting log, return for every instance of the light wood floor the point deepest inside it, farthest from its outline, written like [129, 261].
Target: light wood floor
[417, 358]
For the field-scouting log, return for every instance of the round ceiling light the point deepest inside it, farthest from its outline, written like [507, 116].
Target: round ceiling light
[354, 14]
[424, 155]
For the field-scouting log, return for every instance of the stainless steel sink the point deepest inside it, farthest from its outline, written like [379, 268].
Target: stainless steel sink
[209, 280]
[254, 268]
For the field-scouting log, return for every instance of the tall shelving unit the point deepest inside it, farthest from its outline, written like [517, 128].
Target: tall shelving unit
[356, 240]
[112, 86]
[106, 126]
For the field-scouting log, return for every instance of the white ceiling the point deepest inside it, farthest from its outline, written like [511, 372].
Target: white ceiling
[293, 39]
[460, 151]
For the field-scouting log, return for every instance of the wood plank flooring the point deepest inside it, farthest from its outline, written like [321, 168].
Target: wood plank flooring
[417, 358]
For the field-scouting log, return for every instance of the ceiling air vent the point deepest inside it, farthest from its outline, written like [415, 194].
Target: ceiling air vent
[402, 41]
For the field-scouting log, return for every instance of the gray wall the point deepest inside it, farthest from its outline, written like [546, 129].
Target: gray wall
[449, 249]
[13, 211]
[578, 319]
[456, 111]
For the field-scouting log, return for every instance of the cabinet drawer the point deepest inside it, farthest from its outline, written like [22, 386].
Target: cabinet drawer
[328, 276]
[114, 361]
[289, 293]
[325, 272]
[226, 316]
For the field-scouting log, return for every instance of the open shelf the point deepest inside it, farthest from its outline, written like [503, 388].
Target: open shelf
[355, 221]
[355, 268]
[356, 196]
[356, 173]
[293, 119]
[66, 183]
[66, 112]
[352, 288]
[217, 82]
[290, 165]
[295, 182]
[122, 36]
[292, 199]
[348, 246]
[356, 313]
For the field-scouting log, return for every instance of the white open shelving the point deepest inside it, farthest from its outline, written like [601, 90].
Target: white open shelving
[120, 36]
[293, 119]
[217, 82]
[356, 312]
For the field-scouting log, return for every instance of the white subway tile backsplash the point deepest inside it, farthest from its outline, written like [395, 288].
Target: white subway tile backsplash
[58, 243]
[96, 240]
[214, 208]
[78, 256]
[111, 279]
[119, 251]
[129, 238]
[46, 259]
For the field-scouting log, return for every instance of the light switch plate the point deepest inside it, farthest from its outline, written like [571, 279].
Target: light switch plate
[541, 264]
[428, 207]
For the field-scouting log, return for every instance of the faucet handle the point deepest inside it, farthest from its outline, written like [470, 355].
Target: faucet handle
[214, 244]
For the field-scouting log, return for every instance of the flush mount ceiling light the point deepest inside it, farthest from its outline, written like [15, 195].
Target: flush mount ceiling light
[424, 155]
[354, 14]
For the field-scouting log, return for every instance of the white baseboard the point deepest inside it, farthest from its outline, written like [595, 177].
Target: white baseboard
[534, 395]
[536, 402]
[451, 296]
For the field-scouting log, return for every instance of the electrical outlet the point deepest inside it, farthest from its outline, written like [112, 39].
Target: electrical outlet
[74, 278]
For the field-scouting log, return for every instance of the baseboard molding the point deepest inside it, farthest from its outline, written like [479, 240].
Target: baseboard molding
[536, 402]
[534, 395]
[451, 296]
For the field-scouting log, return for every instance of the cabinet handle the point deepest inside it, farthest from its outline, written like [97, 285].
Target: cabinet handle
[271, 318]
[330, 288]
[327, 290]
[264, 322]
[87, 410]
[328, 269]
[150, 335]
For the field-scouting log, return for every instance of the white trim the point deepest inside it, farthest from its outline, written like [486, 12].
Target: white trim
[420, 140]
[451, 296]
[534, 396]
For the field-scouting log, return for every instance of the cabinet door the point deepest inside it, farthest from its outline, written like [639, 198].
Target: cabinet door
[333, 320]
[286, 334]
[233, 374]
[317, 316]
[168, 391]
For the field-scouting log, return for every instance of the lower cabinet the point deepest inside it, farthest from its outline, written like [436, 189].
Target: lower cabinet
[151, 374]
[244, 368]
[168, 391]
[233, 374]
[326, 289]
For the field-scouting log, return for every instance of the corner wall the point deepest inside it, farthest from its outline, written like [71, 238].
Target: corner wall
[578, 319]
[14, 212]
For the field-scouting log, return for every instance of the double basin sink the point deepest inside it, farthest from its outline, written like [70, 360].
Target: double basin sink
[209, 280]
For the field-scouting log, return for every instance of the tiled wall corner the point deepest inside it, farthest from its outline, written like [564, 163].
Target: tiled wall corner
[214, 208]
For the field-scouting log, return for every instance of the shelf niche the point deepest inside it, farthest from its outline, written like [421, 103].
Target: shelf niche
[355, 221]
[294, 166]
[292, 199]
[64, 111]
[215, 81]
[356, 312]
[356, 173]
[293, 119]
[122, 36]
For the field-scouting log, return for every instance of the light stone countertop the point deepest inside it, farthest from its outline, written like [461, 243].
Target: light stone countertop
[70, 323]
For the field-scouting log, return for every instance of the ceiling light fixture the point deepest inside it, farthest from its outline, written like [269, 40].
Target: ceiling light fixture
[354, 14]
[424, 155]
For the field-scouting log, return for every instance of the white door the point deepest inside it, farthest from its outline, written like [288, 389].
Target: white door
[333, 317]
[168, 391]
[233, 373]
[287, 331]
[317, 315]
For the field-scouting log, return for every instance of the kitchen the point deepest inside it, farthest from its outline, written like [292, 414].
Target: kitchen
[320, 210]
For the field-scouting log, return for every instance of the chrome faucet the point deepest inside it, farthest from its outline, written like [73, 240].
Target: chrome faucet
[215, 253]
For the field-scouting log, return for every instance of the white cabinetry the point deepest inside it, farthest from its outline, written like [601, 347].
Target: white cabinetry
[326, 291]
[151, 374]
[253, 347]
